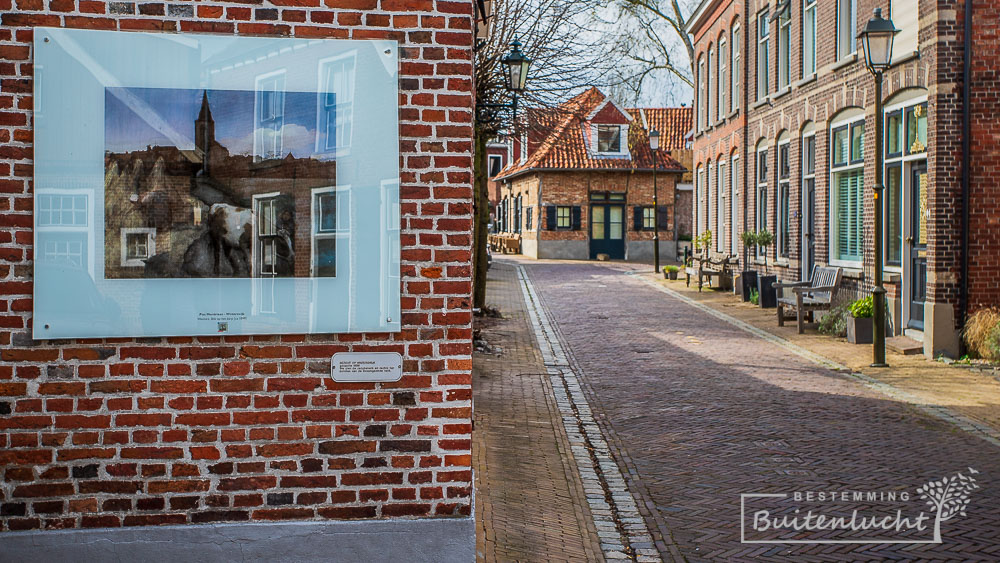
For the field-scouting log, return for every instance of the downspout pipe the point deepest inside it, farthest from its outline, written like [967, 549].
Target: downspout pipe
[963, 289]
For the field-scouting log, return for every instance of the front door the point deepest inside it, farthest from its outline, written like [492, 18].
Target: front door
[607, 230]
[917, 240]
[808, 227]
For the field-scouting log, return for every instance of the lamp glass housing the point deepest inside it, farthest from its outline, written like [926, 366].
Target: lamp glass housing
[876, 39]
[517, 68]
[654, 140]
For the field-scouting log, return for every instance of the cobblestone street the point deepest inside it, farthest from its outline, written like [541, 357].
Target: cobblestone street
[695, 412]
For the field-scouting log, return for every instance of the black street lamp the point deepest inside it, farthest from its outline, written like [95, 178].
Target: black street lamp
[876, 38]
[515, 78]
[654, 144]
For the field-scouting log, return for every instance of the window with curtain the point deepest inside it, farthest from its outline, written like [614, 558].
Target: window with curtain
[846, 192]
[734, 67]
[846, 27]
[808, 37]
[763, 53]
[720, 106]
[784, 183]
[784, 46]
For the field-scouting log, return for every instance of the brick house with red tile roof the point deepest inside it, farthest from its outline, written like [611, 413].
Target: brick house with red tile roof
[587, 187]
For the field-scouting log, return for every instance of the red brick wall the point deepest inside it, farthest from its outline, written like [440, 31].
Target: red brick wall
[123, 432]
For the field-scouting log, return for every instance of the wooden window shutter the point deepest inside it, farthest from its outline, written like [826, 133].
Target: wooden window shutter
[576, 218]
[550, 217]
[662, 217]
[637, 218]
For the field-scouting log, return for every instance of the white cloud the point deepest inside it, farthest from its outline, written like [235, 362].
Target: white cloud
[295, 139]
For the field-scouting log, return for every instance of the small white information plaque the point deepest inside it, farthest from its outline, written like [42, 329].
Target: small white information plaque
[366, 367]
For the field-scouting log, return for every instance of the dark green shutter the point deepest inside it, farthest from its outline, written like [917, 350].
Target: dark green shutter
[637, 218]
[576, 218]
[550, 217]
[663, 217]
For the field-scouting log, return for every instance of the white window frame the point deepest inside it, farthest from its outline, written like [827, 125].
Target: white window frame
[706, 196]
[337, 76]
[699, 185]
[720, 205]
[720, 105]
[734, 191]
[760, 209]
[734, 68]
[809, 21]
[832, 250]
[763, 55]
[846, 25]
[700, 117]
[622, 140]
[150, 246]
[494, 158]
[314, 222]
[784, 47]
[784, 189]
[709, 120]
[904, 160]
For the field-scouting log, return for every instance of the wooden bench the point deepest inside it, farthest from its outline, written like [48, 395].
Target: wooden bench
[817, 294]
[505, 244]
[707, 268]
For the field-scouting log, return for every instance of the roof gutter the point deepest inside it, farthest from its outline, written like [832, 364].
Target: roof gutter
[963, 288]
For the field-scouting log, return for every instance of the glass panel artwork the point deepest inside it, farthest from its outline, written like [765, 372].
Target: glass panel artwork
[195, 184]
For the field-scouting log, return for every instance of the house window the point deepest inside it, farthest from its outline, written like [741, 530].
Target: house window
[894, 134]
[916, 129]
[894, 214]
[721, 86]
[138, 245]
[496, 164]
[563, 213]
[270, 117]
[648, 218]
[609, 138]
[846, 189]
[527, 218]
[701, 94]
[734, 99]
[905, 16]
[706, 196]
[720, 206]
[324, 259]
[905, 145]
[708, 89]
[784, 45]
[699, 184]
[808, 37]
[846, 27]
[761, 191]
[784, 223]
[763, 53]
[734, 190]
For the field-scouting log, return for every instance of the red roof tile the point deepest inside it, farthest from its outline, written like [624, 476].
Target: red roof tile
[565, 145]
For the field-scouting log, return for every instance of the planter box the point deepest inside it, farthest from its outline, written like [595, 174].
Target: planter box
[748, 281]
[859, 331]
[767, 295]
[670, 275]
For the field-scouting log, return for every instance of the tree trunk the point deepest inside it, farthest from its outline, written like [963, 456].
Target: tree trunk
[480, 221]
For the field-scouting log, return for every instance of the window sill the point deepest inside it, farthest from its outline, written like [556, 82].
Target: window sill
[849, 272]
[905, 58]
[781, 92]
[807, 80]
[764, 102]
[782, 263]
[846, 61]
[733, 113]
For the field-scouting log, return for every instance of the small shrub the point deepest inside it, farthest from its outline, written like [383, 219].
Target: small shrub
[834, 323]
[754, 296]
[749, 238]
[982, 334]
[863, 308]
[671, 268]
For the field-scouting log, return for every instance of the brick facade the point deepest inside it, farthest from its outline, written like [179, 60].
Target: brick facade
[810, 104]
[186, 430]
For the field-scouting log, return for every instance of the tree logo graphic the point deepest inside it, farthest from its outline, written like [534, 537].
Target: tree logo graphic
[948, 497]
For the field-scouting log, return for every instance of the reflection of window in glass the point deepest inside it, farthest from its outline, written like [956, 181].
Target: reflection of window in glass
[138, 244]
[62, 210]
[337, 111]
[273, 242]
[70, 251]
[270, 117]
[496, 164]
[916, 129]
[324, 233]
[563, 217]
[609, 138]
[894, 215]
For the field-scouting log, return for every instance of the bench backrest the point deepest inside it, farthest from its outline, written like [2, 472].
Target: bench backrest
[825, 276]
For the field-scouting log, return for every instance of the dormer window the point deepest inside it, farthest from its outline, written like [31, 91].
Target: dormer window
[609, 138]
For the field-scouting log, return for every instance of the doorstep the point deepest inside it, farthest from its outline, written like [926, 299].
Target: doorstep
[904, 345]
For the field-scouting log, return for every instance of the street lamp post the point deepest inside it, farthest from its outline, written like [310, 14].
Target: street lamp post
[876, 38]
[654, 144]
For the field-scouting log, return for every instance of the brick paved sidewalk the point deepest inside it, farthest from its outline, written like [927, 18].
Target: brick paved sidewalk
[969, 392]
[530, 503]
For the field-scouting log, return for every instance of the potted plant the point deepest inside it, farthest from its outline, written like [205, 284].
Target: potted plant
[748, 277]
[706, 242]
[859, 321]
[768, 295]
[670, 272]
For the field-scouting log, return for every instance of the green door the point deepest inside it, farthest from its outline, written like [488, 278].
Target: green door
[607, 230]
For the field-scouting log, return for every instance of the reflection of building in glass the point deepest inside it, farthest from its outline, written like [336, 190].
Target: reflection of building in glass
[208, 212]
[63, 220]
[336, 112]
